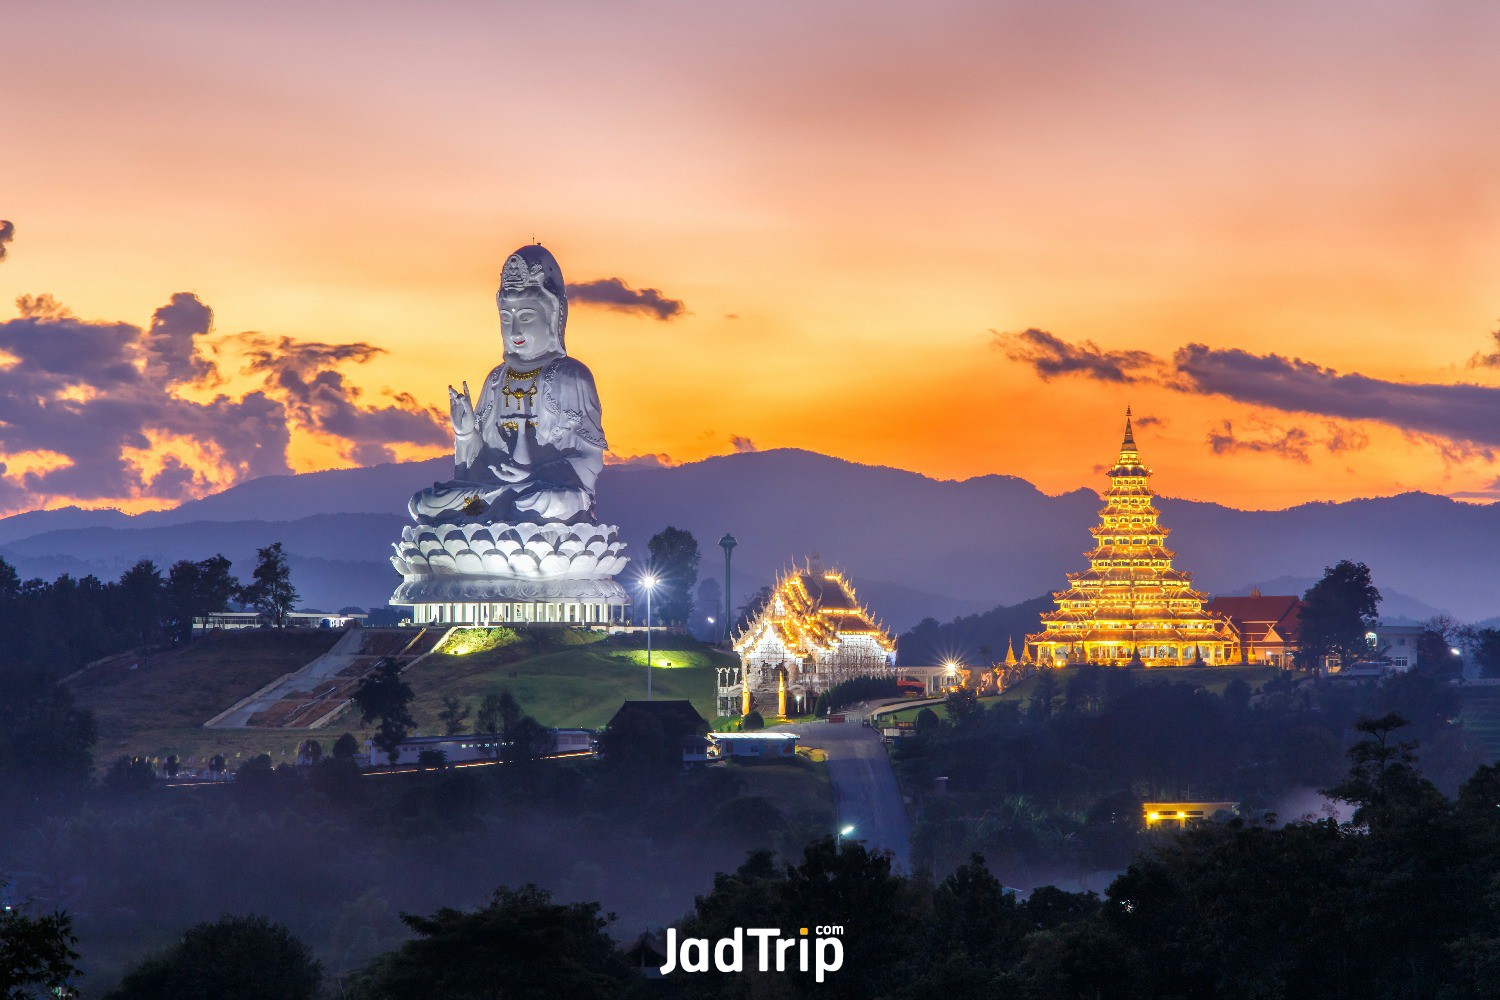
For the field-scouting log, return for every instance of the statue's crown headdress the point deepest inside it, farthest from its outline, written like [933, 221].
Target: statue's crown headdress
[517, 274]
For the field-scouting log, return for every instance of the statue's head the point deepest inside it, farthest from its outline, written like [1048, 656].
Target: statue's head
[533, 304]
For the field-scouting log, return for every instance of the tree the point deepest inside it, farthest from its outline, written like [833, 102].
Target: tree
[270, 589]
[526, 740]
[195, 590]
[521, 946]
[1337, 612]
[453, 716]
[139, 597]
[235, 958]
[674, 562]
[752, 722]
[383, 695]
[1043, 697]
[36, 952]
[1486, 646]
[1383, 775]
[963, 706]
[345, 747]
[45, 742]
[927, 721]
[130, 776]
[498, 712]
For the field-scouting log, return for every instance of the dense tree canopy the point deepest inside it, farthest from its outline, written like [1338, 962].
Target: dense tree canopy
[521, 946]
[1337, 613]
[236, 958]
[674, 563]
[36, 952]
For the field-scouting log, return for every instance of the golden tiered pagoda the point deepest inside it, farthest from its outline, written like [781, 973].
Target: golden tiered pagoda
[1130, 606]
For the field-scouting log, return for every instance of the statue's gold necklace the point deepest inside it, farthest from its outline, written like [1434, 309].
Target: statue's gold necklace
[526, 392]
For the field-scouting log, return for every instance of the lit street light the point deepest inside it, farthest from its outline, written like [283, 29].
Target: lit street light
[844, 833]
[650, 583]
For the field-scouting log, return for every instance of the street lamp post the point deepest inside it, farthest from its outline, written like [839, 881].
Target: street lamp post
[727, 543]
[844, 833]
[650, 582]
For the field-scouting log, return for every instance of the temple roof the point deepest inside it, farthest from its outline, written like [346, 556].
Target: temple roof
[1256, 616]
[812, 610]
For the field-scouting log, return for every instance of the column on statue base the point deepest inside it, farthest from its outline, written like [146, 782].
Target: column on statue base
[781, 694]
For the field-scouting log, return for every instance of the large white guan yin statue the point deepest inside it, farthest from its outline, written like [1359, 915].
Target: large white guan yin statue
[512, 535]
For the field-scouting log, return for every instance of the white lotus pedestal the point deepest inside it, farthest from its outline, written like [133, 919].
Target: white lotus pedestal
[497, 574]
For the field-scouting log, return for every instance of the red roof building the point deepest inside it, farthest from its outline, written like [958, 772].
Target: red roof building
[1267, 626]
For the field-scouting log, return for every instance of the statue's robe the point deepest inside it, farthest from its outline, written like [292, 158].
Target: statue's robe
[549, 425]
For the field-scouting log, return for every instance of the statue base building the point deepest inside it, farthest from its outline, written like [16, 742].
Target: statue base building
[501, 574]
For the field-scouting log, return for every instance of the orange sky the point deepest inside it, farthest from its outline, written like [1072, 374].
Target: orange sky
[851, 201]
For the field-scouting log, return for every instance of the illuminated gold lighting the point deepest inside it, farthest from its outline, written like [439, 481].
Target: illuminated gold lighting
[1130, 606]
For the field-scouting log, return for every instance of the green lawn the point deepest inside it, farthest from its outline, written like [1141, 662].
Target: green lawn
[563, 677]
[1211, 679]
[567, 678]
[156, 704]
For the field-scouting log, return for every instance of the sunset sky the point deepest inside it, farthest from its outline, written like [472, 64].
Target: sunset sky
[956, 238]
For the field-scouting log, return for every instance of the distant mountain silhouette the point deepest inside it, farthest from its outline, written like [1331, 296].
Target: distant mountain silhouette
[915, 547]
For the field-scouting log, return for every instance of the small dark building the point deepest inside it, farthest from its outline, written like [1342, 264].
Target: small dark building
[677, 718]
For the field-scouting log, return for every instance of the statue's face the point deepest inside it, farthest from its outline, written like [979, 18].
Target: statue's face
[526, 326]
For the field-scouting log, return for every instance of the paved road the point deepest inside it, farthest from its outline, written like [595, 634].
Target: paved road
[865, 792]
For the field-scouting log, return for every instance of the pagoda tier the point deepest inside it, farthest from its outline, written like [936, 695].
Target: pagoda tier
[1131, 605]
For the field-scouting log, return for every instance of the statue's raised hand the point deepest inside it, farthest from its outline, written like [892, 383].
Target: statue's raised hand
[462, 409]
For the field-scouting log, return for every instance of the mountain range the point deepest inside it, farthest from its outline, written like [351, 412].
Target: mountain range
[913, 546]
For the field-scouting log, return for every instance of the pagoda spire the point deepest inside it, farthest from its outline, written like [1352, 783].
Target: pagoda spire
[1129, 443]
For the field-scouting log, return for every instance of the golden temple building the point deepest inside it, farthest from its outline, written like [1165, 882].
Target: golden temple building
[1131, 607]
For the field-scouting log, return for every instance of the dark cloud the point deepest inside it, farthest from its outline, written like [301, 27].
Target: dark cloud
[1051, 357]
[741, 444]
[43, 306]
[1149, 421]
[318, 398]
[1291, 443]
[168, 345]
[7, 233]
[613, 293]
[1490, 360]
[1465, 416]
[660, 460]
[1460, 412]
[100, 400]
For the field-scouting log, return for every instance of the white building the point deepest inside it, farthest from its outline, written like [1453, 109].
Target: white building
[722, 746]
[472, 747]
